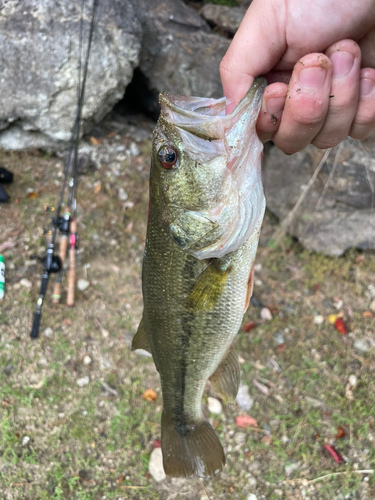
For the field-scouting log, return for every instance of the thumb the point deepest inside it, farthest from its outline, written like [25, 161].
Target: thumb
[257, 46]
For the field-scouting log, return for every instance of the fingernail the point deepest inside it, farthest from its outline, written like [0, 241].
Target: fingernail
[275, 105]
[312, 78]
[365, 86]
[342, 63]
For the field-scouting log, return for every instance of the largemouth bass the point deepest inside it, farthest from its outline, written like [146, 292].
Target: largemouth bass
[206, 209]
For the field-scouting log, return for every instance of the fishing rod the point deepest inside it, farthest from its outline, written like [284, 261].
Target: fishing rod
[53, 263]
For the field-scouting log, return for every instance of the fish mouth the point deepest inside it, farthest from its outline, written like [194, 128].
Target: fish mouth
[205, 117]
[207, 133]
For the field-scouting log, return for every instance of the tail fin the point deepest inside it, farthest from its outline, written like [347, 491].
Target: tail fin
[191, 449]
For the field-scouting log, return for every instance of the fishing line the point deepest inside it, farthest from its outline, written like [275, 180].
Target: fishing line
[292, 214]
[330, 177]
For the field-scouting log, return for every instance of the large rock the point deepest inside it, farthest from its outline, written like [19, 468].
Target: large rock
[179, 53]
[224, 17]
[39, 46]
[335, 216]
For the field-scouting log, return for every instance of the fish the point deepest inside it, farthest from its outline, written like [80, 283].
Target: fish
[205, 214]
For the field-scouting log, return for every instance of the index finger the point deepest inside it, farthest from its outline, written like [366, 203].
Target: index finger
[256, 48]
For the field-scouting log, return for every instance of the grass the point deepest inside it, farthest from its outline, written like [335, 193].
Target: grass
[86, 443]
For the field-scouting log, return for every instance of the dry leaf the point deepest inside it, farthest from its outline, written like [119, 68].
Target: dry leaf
[368, 314]
[250, 325]
[267, 440]
[33, 195]
[97, 187]
[94, 141]
[341, 433]
[150, 395]
[246, 421]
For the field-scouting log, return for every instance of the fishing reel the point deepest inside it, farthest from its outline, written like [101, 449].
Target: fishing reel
[51, 263]
[62, 223]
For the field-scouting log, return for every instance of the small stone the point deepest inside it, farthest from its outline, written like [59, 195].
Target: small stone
[240, 437]
[26, 283]
[25, 440]
[83, 381]
[155, 466]
[142, 352]
[48, 332]
[82, 285]
[339, 304]
[278, 337]
[122, 194]
[87, 360]
[266, 314]
[257, 268]
[318, 320]
[361, 345]
[370, 291]
[289, 469]
[372, 306]
[244, 401]
[252, 497]
[214, 406]
[352, 380]
[134, 150]
[285, 439]
[251, 481]
[105, 333]
[314, 402]
[42, 362]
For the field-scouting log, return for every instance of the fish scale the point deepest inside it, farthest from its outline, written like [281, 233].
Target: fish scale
[193, 307]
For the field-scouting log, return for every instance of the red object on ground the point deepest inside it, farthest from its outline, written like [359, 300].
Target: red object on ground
[334, 454]
[250, 325]
[341, 326]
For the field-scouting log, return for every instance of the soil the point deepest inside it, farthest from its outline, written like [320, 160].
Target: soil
[73, 420]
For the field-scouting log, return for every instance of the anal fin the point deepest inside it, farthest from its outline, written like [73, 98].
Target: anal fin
[140, 339]
[209, 287]
[226, 379]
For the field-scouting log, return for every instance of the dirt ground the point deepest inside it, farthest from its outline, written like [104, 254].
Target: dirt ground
[73, 420]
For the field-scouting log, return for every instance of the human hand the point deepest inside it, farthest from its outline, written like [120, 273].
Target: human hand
[319, 48]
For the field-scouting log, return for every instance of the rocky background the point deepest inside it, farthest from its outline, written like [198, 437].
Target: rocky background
[141, 47]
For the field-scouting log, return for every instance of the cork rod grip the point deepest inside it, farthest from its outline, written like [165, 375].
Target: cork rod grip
[72, 263]
[63, 248]
[56, 293]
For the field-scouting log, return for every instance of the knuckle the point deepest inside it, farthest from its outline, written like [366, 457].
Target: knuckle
[361, 132]
[327, 142]
[309, 116]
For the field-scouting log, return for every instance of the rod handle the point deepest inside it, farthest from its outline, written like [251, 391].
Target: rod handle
[56, 293]
[72, 263]
[35, 329]
[63, 248]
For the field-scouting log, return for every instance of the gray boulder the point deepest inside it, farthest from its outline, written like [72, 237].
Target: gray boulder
[224, 17]
[179, 53]
[39, 45]
[335, 216]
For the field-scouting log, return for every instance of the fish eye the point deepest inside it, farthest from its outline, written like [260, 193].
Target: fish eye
[168, 157]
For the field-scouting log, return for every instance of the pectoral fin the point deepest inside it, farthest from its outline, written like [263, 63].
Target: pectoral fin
[140, 339]
[209, 287]
[226, 378]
